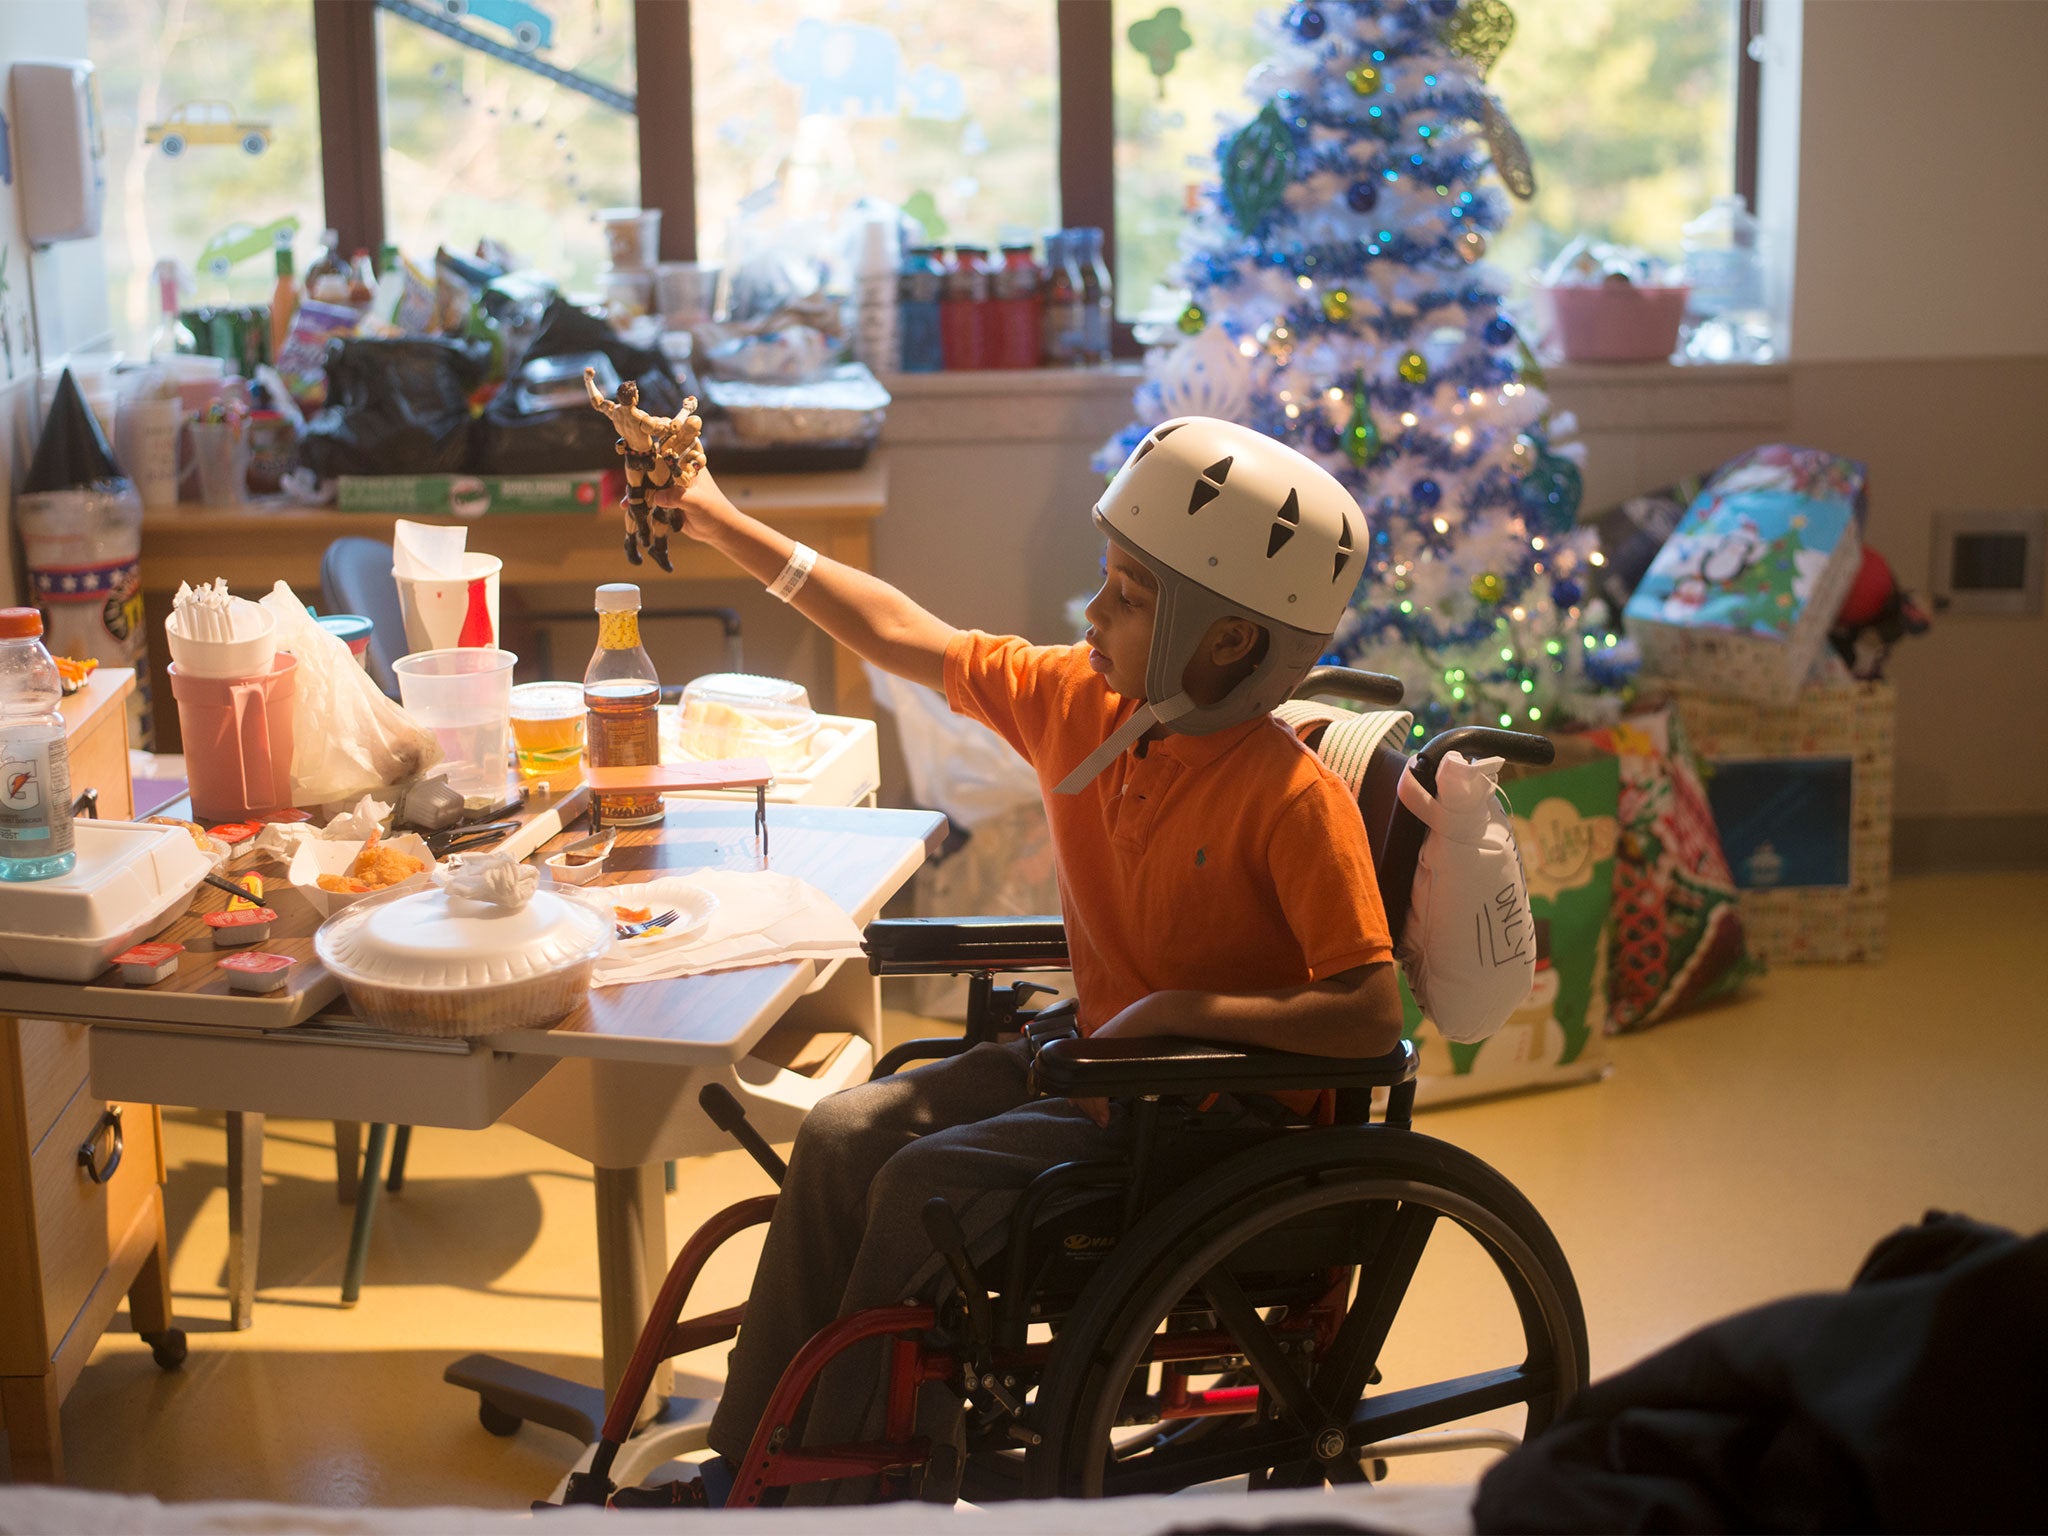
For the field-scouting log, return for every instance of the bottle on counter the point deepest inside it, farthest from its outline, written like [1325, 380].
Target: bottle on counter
[362, 280]
[920, 348]
[620, 695]
[284, 301]
[1098, 303]
[35, 758]
[172, 335]
[1062, 300]
[966, 315]
[1020, 321]
[327, 276]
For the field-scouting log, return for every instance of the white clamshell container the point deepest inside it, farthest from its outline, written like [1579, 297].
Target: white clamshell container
[131, 879]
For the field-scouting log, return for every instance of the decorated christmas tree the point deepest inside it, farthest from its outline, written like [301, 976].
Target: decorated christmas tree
[1339, 300]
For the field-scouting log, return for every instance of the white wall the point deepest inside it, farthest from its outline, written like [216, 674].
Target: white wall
[1923, 153]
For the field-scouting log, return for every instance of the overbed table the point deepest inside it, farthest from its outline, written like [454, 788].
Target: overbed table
[614, 1083]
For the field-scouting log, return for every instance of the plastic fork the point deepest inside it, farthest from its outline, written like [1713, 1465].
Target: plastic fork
[659, 920]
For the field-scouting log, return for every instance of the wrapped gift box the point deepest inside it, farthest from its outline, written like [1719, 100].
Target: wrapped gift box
[1739, 599]
[1803, 799]
[1566, 829]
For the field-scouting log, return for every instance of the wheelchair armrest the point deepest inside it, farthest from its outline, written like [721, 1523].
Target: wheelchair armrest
[1110, 1069]
[938, 946]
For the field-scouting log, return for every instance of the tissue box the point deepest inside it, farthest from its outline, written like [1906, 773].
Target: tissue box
[1803, 799]
[1739, 599]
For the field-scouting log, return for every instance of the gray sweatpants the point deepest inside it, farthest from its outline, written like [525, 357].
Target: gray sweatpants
[848, 1230]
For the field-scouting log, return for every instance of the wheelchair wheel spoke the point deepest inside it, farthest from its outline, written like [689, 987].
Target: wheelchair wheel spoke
[1382, 1286]
[1444, 1402]
[1275, 1371]
[1237, 1452]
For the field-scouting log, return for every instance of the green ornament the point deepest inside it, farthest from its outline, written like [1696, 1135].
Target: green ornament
[1257, 165]
[1362, 438]
[1364, 79]
[1192, 320]
[1480, 31]
[1413, 368]
[1489, 588]
[1162, 39]
[1337, 304]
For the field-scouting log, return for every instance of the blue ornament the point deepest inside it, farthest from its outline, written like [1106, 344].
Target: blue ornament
[1549, 494]
[1500, 330]
[1565, 592]
[1309, 23]
[1324, 437]
[1362, 195]
[1436, 712]
[1427, 493]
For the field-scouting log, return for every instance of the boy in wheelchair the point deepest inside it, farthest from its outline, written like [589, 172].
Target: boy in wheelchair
[1216, 882]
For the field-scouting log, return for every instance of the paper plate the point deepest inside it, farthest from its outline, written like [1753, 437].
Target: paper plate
[692, 904]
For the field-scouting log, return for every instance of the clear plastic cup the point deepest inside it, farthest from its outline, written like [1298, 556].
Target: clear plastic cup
[464, 697]
[547, 729]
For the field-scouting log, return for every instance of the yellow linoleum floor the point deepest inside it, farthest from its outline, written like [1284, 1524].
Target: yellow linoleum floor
[1733, 1156]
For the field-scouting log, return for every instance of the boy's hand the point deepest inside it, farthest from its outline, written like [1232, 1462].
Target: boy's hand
[703, 505]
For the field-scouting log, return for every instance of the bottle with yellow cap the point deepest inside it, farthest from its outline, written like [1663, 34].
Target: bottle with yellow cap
[35, 762]
[620, 692]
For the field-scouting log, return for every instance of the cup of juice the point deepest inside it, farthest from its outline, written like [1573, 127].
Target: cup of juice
[547, 729]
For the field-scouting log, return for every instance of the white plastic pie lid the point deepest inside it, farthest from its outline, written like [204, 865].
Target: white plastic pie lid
[437, 942]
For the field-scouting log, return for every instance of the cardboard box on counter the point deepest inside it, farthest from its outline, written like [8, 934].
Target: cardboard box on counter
[470, 495]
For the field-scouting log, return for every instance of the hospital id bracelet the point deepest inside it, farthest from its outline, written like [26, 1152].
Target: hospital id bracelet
[794, 574]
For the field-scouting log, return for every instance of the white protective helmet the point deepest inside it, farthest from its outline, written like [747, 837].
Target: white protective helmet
[1231, 523]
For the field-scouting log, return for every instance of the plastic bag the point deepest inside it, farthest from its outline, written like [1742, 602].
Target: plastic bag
[1469, 946]
[521, 435]
[364, 741]
[395, 408]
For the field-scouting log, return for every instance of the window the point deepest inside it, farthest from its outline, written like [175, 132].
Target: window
[507, 120]
[950, 111]
[1628, 109]
[213, 147]
[1168, 121]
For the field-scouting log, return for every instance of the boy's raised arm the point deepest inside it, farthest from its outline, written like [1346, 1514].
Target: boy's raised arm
[862, 612]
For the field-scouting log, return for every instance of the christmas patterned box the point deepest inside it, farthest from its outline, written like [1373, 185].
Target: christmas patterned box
[1803, 799]
[1567, 832]
[1739, 599]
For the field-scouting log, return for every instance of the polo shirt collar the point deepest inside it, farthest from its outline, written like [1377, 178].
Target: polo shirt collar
[1199, 751]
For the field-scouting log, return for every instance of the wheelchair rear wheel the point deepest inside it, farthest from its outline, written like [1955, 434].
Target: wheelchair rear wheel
[1379, 1225]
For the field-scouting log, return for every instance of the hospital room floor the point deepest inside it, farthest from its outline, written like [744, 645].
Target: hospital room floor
[1733, 1156]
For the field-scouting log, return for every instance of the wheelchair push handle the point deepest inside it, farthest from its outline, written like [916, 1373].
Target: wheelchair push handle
[1479, 741]
[717, 1101]
[1350, 683]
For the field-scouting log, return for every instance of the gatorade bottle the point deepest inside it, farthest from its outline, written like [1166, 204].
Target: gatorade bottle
[35, 761]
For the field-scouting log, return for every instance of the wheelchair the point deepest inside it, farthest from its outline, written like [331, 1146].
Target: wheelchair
[1221, 1302]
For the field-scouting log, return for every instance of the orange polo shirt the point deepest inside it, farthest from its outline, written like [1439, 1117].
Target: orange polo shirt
[1232, 862]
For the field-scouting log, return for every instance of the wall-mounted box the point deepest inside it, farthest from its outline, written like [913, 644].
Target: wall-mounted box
[1988, 562]
[60, 147]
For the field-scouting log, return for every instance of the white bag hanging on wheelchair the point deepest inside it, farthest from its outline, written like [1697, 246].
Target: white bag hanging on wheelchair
[1469, 946]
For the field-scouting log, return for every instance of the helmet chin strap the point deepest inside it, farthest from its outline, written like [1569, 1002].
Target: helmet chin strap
[1148, 715]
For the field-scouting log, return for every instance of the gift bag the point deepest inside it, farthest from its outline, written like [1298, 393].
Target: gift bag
[1566, 830]
[1678, 933]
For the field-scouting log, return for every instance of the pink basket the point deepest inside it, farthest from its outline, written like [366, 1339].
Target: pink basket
[1616, 322]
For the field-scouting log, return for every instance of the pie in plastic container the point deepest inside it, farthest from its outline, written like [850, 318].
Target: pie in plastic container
[435, 962]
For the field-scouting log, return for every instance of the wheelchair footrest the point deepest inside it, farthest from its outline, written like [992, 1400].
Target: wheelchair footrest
[932, 946]
[1122, 1068]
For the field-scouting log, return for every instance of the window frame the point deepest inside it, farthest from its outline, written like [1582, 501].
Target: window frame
[352, 130]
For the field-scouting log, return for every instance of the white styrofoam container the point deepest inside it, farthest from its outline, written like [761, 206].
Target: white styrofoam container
[131, 879]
